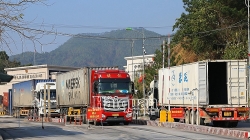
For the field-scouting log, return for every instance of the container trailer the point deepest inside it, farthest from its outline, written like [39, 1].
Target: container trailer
[28, 98]
[106, 88]
[210, 91]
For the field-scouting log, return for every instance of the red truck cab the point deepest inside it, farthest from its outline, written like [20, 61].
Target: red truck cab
[112, 91]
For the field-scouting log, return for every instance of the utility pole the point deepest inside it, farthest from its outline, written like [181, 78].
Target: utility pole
[248, 43]
[163, 52]
[132, 51]
[169, 69]
[44, 101]
[49, 115]
[143, 83]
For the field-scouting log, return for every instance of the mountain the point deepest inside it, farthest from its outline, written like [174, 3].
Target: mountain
[105, 49]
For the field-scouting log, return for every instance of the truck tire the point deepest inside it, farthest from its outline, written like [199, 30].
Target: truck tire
[234, 124]
[187, 117]
[84, 119]
[126, 123]
[200, 120]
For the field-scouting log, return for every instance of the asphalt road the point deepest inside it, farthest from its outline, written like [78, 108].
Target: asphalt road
[9, 128]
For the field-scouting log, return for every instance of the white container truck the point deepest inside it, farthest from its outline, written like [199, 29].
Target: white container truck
[28, 98]
[215, 90]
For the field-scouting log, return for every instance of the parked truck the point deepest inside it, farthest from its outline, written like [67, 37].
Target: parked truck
[216, 91]
[106, 88]
[28, 98]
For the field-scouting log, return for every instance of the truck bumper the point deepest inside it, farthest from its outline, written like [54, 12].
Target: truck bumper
[116, 117]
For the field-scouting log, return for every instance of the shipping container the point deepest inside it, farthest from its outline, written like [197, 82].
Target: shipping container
[210, 91]
[6, 99]
[73, 88]
[217, 82]
[22, 93]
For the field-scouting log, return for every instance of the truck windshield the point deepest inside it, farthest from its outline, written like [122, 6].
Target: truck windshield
[52, 94]
[124, 88]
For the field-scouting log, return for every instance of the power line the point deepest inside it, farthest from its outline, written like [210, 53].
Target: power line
[85, 35]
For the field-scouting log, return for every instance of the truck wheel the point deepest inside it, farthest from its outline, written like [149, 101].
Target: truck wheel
[200, 120]
[126, 123]
[187, 117]
[219, 124]
[234, 124]
[84, 113]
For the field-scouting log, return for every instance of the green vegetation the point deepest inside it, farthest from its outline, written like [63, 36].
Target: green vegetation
[209, 29]
[81, 51]
[6, 63]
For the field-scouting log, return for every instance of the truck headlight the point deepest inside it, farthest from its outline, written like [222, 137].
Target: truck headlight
[103, 116]
[129, 115]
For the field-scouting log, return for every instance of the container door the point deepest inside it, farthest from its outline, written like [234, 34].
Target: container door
[237, 81]
[203, 98]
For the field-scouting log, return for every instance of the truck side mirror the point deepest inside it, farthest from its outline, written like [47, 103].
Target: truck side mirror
[95, 87]
[133, 87]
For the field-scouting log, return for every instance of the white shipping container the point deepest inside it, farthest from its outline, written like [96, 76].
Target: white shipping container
[72, 88]
[218, 83]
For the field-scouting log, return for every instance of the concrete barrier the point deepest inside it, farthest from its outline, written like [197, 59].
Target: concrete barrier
[57, 120]
[202, 129]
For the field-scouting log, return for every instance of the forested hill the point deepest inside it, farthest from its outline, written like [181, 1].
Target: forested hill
[105, 49]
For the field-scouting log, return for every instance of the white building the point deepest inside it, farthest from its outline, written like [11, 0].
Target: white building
[32, 72]
[135, 64]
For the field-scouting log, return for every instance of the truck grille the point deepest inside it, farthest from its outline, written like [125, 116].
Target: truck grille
[115, 104]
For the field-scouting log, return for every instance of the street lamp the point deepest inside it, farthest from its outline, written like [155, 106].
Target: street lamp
[143, 67]
[197, 106]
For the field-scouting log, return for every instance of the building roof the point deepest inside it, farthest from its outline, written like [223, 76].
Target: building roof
[139, 57]
[5, 77]
[40, 66]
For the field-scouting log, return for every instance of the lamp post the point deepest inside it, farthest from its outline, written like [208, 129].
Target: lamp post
[197, 106]
[143, 67]
[132, 51]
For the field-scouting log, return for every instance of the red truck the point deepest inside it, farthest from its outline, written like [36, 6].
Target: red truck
[106, 88]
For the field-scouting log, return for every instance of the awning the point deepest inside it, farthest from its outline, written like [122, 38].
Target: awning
[5, 77]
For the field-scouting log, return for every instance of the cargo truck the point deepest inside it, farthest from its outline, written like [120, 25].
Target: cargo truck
[28, 98]
[216, 91]
[106, 88]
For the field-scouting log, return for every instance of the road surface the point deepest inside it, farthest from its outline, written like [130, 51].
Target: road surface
[9, 128]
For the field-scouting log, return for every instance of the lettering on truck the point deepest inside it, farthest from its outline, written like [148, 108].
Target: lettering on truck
[73, 83]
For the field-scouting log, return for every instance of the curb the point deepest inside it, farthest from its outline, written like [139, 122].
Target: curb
[202, 129]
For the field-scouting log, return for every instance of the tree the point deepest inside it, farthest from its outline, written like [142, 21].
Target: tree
[12, 22]
[151, 70]
[5, 63]
[213, 29]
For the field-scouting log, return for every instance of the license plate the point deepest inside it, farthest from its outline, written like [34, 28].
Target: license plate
[227, 113]
[52, 110]
[115, 114]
